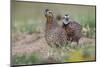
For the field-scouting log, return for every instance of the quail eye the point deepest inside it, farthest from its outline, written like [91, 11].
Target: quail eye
[49, 12]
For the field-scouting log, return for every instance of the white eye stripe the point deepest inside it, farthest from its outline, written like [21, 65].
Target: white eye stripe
[66, 16]
[50, 11]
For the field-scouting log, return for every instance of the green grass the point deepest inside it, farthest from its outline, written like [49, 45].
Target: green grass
[84, 53]
[26, 59]
[27, 18]
[88, 22]
[28, 27]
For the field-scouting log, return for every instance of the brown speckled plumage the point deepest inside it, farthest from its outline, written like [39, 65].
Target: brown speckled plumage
[54, 34]
[73, 30]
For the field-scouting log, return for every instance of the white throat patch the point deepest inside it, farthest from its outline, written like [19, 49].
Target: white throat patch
[65, 22]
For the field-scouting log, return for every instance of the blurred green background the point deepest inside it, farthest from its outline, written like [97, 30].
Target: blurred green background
[28, 18]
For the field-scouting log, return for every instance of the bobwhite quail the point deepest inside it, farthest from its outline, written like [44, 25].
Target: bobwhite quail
[72, 28]
[54, 34]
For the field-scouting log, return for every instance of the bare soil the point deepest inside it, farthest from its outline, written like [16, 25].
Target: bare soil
[35, 43]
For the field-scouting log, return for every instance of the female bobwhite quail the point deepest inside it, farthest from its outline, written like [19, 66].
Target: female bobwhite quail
[72, 28]
[54, 34]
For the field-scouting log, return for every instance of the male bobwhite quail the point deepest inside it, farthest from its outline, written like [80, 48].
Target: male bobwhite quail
[72, 28]
[54, 34]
